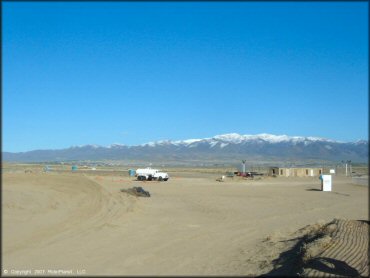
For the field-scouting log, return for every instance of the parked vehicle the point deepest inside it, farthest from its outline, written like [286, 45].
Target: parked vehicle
[245, 174]
[161, 176]
[151, 174]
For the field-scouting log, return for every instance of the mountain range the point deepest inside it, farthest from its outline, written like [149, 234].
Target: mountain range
[226, 147]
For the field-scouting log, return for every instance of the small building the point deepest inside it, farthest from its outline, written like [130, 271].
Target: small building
[295, 172]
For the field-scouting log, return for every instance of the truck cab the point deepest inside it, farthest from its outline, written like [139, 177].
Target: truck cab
[151, 174]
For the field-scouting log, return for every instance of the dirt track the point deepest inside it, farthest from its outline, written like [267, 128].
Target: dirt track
[189, 226]
[346, 252]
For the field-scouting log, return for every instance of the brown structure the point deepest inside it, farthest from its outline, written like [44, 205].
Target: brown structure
[295, 172]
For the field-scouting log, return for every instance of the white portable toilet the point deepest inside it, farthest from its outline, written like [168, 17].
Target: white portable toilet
[326, 183]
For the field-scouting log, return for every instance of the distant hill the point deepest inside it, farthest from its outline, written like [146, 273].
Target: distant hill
[227, 147]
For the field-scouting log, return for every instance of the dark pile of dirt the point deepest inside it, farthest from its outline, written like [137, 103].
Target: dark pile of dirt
[137, 191]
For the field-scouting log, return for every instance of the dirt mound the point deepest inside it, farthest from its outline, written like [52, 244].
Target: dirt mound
[137, 191]
[338, 248]
[59, 206]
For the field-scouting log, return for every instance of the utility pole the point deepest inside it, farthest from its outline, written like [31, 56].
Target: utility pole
[350, 167]
[342, 164]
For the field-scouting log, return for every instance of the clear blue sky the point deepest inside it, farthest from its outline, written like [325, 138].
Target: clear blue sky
[131, 73]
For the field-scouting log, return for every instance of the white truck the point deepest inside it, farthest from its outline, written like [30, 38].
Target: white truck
[151, 174]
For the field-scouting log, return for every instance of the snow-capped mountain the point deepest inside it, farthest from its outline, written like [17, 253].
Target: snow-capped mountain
[229, 147]
[235, 138]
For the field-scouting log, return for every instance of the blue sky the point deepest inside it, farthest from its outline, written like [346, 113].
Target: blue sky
[130, 73]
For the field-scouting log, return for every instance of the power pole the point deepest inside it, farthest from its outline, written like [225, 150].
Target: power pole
[350, 167]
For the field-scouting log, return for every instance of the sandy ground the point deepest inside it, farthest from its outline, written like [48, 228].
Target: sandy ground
[339, 248]
[82, 224]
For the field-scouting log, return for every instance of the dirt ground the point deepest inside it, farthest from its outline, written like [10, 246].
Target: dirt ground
[82, 224]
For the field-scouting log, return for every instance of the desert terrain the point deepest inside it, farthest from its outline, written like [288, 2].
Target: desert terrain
[63, 223]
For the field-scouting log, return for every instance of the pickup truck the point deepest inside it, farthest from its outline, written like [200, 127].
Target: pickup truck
[151, 174]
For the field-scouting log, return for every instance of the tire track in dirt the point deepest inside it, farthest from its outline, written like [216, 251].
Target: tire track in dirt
[347, 256]
[338, 248]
